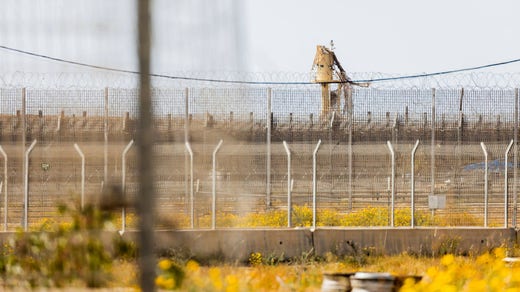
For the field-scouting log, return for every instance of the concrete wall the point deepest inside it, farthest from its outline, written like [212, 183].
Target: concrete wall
[236, 245]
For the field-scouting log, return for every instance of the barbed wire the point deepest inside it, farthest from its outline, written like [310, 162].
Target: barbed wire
[92, 80]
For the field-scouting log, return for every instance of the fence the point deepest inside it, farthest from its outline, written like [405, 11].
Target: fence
[450, 153]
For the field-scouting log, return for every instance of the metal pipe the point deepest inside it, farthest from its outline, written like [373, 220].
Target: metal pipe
[82, 174]
[412, 183]
[192, 216]
[433, 145]
[214, 197]
[26, 186]
[392, 183]
[314, 184]
[268, 158]
[484, 149]
[105, 145]
[289, 184]
[5, 186]
[186, 138]
[515, 162]
[506, 167]
[123, 185]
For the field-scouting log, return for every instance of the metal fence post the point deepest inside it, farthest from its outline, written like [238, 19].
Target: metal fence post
[289, 183]
[515, 162]
[186, 138]
[412, 184]
[192, 216]
[214, 192]
[123, 185]
[82, 174]
[5, 187]
[26, 186]
[105, 145]
[433, 145]
[314, 184]
[392, 183]
[484, 149]
[268, 158]
[506, 179]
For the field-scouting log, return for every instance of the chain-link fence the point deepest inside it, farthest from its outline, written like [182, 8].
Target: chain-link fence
[464, 167]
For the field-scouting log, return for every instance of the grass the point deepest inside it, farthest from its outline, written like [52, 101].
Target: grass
[68, 254]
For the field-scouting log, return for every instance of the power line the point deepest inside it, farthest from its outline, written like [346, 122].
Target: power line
[213, 80]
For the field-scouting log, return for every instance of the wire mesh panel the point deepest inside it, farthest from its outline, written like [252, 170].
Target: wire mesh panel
[455, 129]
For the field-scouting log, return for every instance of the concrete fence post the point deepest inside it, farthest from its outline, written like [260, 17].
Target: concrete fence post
[123, 185]
[314, 184]
[289, 184]
[506, 180]
[26, 186]
[192, 216]
[82, 174]
[214, 192]
[412, 184]
[268, 140]
[484, 149]
[392, 187]
[5, 187]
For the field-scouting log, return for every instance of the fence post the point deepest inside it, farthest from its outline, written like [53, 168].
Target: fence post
[433, 145]
[515, 159]
[484, 149]
[5, 187]
[186, 138]
[412, 183]
[331, 168]
[268, 158]
[192, 217]
[105, 146]
[392, 183]
[214, 197]
[349, 95]
[26, 186]
[314, 184]
[82, 174]
[506, 167]
[289, 183]
[123, 186]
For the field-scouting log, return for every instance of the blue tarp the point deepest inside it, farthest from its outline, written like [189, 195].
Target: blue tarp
[494, 165]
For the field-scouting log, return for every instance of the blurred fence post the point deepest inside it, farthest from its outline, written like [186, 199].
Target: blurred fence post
[412, 184]
[5, 186]
[192, 216]
[484, 149]
[289, 184]
[268, 158]
[214, 189]
[26, 186]
[392, 205]
[314, 184]
[123, 185]
[506, 179]
[82, 174]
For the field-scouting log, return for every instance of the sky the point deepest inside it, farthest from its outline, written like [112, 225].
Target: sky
[399, 36]
[396, 37]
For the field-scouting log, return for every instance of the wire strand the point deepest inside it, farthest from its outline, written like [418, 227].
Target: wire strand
[254, 82]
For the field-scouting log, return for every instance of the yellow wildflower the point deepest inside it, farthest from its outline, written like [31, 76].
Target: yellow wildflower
[164, 264]
[447, 260]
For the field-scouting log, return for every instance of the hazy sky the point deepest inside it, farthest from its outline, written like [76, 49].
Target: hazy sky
[398, 36]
